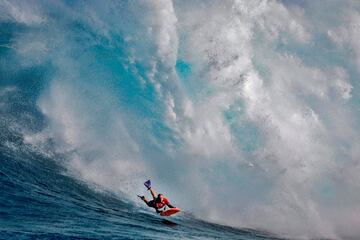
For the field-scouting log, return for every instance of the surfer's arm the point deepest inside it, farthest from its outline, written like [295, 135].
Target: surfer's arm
[170, 206]
[153, 193]
[143, 198]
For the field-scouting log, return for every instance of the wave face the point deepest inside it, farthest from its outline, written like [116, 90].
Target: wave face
[40, 201]
[244, 113]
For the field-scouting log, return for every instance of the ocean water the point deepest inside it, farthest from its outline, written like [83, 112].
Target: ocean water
[244, 114]
[38, 201]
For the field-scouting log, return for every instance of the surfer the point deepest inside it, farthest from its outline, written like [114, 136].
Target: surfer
[158, 202]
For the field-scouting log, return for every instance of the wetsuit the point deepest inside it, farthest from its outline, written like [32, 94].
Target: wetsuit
[157, 205]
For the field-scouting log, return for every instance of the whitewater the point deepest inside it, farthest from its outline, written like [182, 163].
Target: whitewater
[244, 114]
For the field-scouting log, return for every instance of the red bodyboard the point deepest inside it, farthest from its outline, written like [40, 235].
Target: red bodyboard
[169, 212]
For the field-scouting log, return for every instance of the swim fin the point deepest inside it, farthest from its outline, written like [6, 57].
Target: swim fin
[148, 184]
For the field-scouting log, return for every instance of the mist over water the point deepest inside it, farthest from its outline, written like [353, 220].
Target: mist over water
[244, 113]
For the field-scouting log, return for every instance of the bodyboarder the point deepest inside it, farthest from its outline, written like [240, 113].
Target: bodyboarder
[159, 202]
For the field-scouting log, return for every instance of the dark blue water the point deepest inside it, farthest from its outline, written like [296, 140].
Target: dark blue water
[39, 200]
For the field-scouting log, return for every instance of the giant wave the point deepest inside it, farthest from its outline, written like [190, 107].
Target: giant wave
[242, 113]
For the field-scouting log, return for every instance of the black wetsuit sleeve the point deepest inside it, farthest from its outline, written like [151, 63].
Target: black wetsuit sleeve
[170, 206]
[150, 203]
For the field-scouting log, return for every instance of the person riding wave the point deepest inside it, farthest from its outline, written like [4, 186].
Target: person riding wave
[158, 202]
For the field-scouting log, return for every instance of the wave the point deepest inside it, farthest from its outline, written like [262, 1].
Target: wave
[40, 199]
[244, 114]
